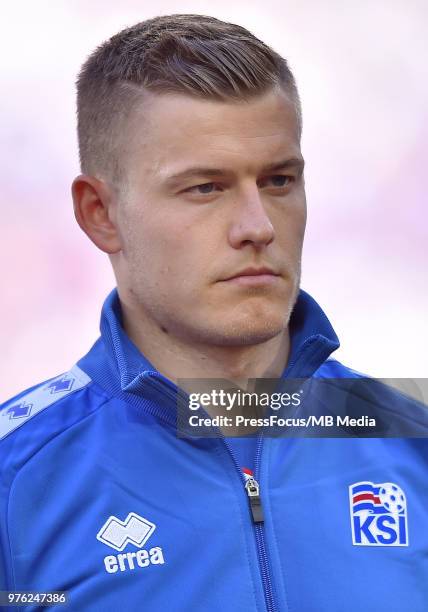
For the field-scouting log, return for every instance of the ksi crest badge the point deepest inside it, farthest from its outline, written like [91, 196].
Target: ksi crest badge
[378, 514]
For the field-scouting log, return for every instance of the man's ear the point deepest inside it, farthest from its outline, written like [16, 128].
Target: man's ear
[93, 208]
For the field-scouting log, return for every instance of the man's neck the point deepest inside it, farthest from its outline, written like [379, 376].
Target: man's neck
[177, 359]
[193, 366]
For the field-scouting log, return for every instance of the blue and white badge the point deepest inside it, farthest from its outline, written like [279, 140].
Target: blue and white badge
[378, 514]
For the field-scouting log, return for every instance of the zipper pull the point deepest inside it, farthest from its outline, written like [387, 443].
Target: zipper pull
[252, 487]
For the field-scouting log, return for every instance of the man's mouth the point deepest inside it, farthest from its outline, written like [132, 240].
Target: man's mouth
[254, 276]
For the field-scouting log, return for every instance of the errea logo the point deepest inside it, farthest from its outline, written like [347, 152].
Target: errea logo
[134, 530]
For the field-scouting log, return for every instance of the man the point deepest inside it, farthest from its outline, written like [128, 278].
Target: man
[192, 183]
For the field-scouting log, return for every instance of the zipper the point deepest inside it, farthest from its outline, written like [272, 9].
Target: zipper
[260, 540]
[252, 489]
[251, 486]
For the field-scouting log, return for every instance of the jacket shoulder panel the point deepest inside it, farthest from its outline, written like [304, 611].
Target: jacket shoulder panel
[402, 410]
[23, 407]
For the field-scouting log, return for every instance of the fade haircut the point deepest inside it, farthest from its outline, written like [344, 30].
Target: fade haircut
[195, 55]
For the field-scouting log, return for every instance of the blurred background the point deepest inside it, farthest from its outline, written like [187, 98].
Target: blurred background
[361, 68]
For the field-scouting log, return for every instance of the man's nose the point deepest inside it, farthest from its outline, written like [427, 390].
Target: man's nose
[250, 222]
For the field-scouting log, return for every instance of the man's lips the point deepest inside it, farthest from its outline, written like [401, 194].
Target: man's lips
[253, 276]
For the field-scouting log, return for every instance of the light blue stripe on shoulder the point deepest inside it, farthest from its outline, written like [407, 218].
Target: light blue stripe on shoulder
[28, 405]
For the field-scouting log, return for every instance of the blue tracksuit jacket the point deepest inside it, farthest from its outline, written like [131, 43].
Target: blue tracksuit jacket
[100, 498]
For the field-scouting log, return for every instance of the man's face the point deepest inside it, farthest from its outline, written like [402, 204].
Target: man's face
[215, 189]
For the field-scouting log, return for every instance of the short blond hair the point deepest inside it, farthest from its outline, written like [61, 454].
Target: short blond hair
[196, 55]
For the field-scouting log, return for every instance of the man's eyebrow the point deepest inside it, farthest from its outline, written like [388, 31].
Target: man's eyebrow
[291, 162]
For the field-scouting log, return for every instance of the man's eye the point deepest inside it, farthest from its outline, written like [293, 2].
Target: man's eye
[204, 188]
[280, 180]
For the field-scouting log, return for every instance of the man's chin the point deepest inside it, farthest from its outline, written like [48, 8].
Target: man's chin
[245, 333]
[250, 338]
